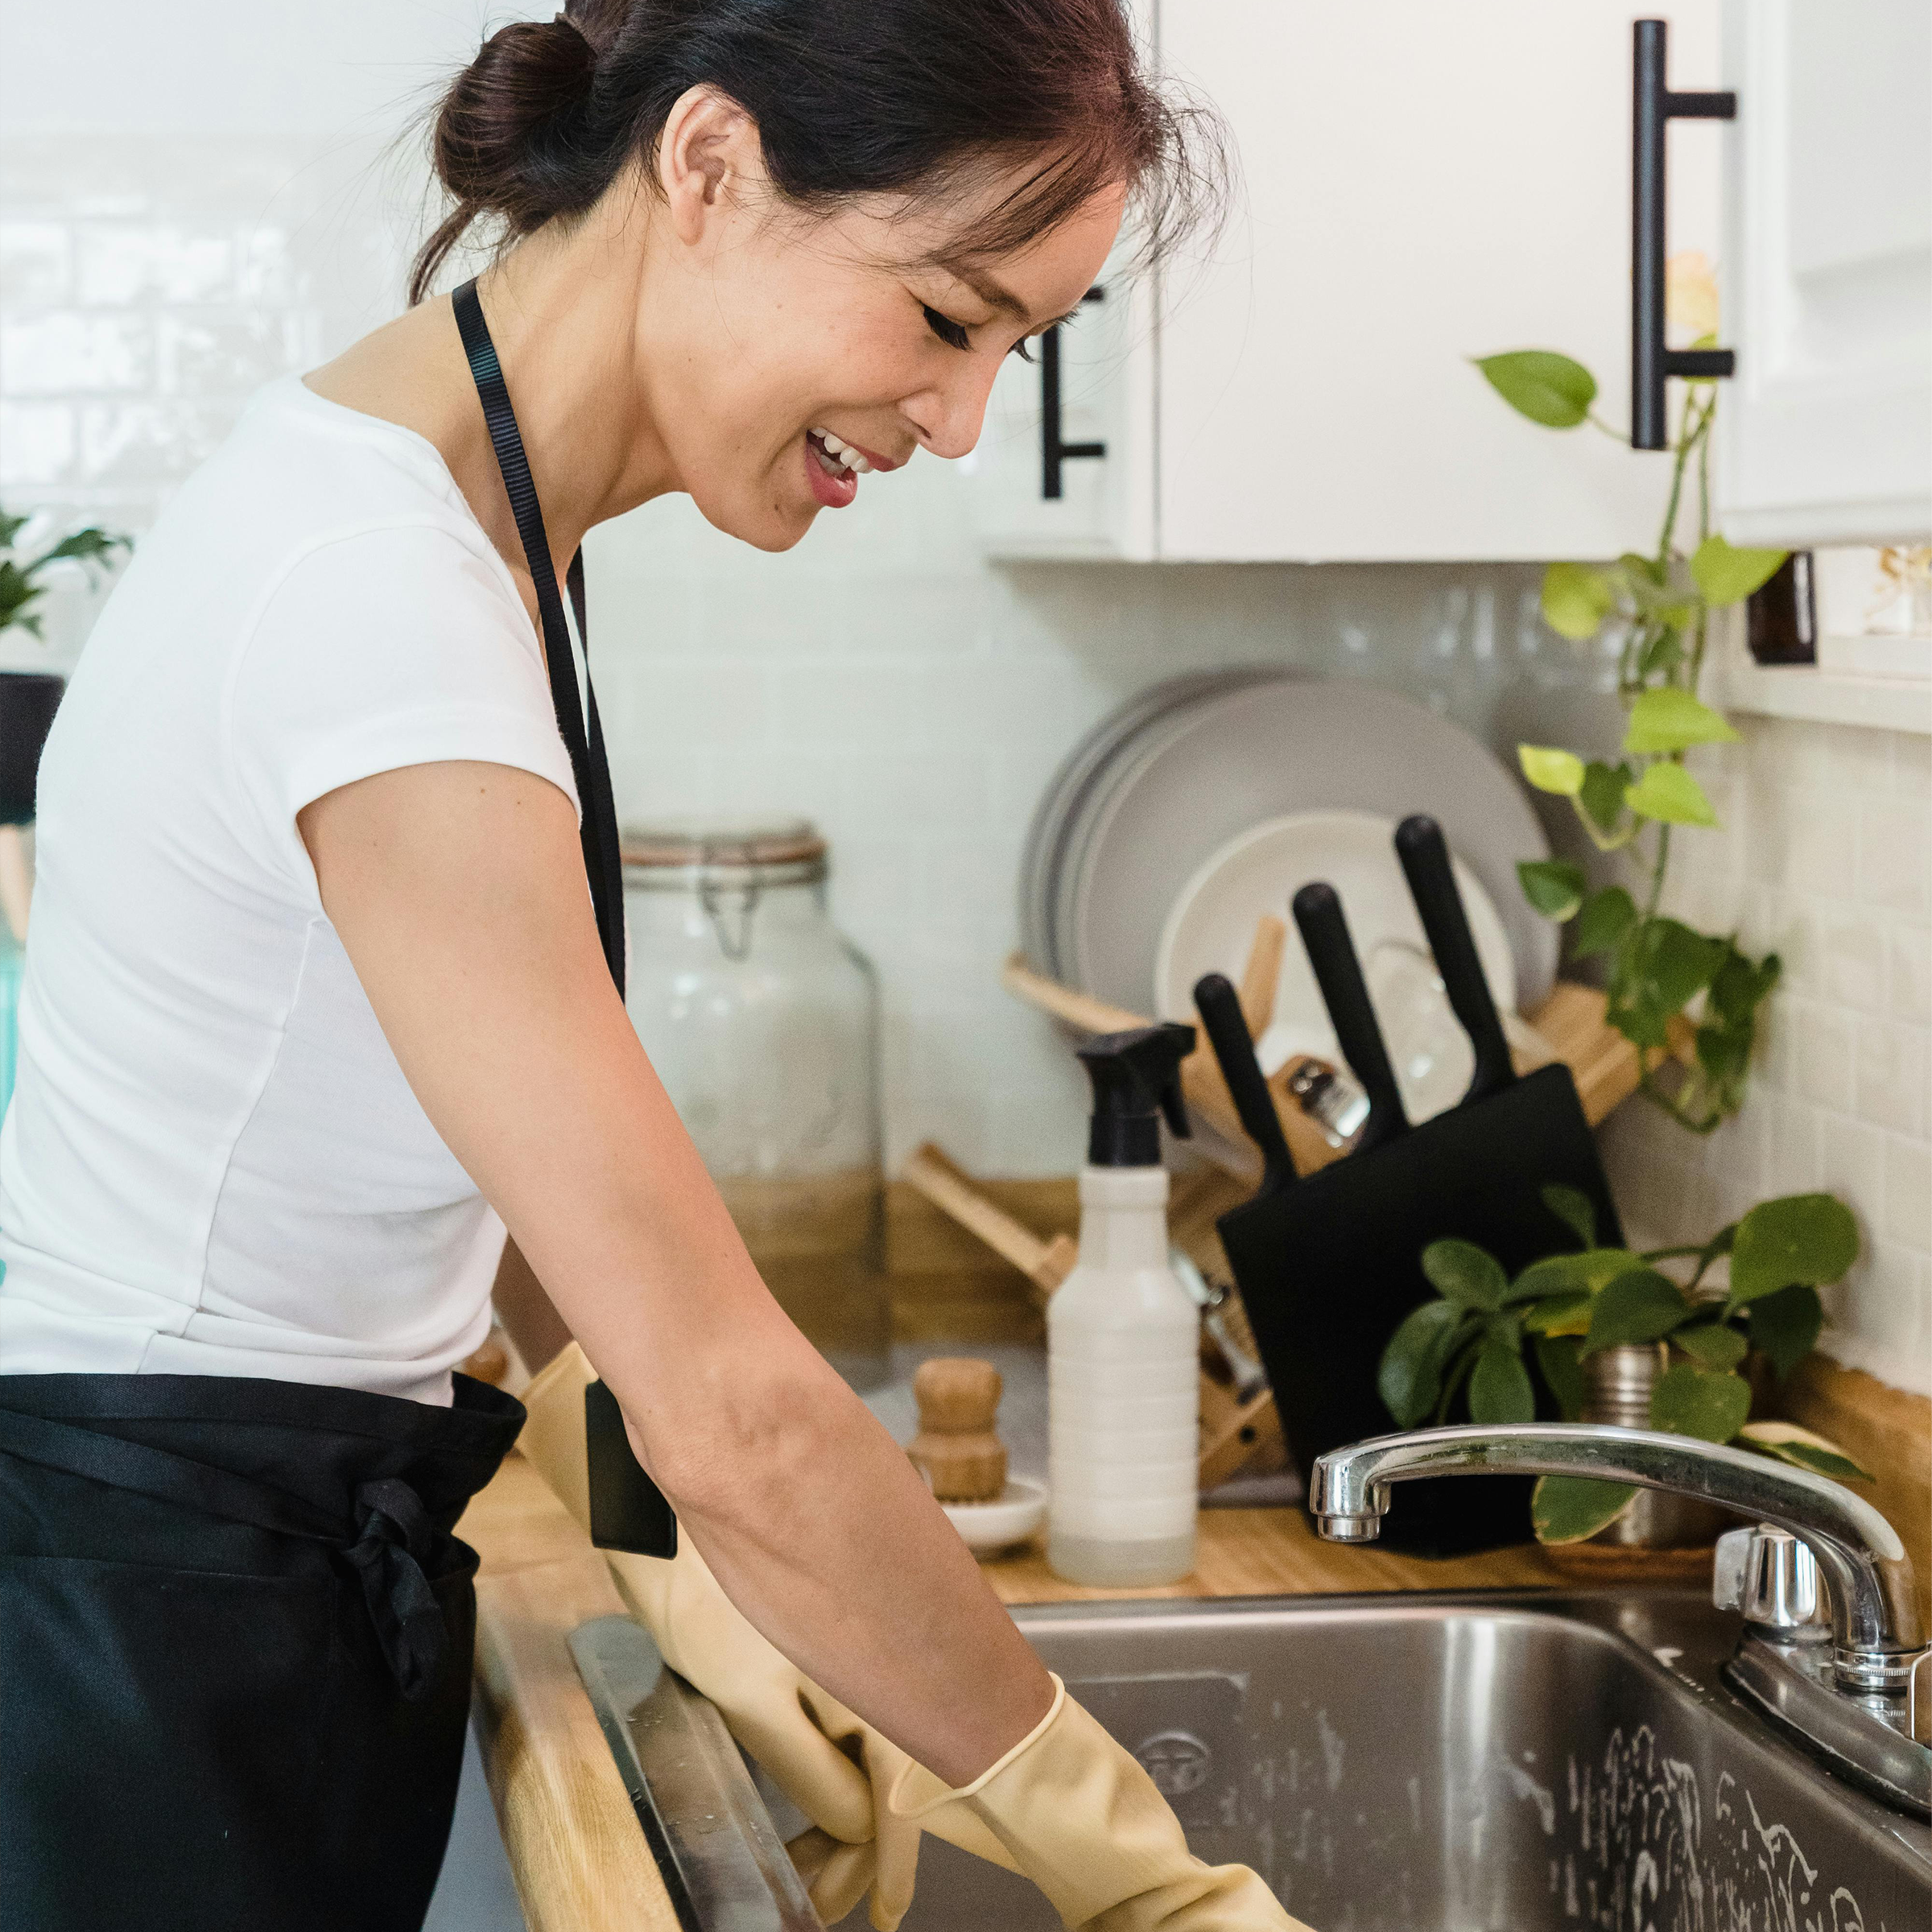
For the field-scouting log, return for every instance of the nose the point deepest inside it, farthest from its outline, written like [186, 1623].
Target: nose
[949, 416]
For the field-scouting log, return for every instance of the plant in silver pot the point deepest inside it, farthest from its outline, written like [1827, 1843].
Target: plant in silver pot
[1595, 1318]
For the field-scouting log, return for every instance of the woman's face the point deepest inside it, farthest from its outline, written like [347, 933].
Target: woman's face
[807, 356]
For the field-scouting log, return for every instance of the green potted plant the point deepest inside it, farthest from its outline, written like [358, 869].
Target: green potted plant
[1475, 1338]
[28, 700]
[1663, 977]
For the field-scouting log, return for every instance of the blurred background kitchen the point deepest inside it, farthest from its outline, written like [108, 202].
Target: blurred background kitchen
[195, 199]
[1282, 459]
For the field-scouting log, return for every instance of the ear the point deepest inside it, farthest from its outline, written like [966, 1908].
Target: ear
[708, 156]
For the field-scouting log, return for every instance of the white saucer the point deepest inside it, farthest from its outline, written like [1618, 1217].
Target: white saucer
[1010, 1518]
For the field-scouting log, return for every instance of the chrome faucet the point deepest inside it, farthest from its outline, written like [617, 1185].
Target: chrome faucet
[1867, 1710]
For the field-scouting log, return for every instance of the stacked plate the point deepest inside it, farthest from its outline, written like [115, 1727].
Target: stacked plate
[1205, 802]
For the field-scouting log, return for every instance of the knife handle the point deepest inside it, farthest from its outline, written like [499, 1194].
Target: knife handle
[1324, 931]
[1425, 856]
[1219, 1007]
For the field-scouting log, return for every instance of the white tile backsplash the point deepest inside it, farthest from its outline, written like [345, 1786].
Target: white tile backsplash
[1828, 844]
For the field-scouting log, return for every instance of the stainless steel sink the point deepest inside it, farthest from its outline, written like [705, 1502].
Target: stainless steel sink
[1478, 1763]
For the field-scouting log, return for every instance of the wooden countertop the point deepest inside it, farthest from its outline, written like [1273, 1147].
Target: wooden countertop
[575, 1845]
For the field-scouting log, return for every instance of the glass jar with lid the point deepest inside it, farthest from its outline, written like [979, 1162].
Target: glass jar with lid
[762, 1021]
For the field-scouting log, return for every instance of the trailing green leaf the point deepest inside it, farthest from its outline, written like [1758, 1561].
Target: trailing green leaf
[1466, 1274]
[1550, 769]
[1669, 718]
[1600, 803]
[1568, 1508]
[1605, 922]
[1809, 1238]
[1669, 795]
[1690, 1401]
[1547, 387]
[1785, 1326]
[1665, 967]
[1727, 575]
[1560, 1358]
[1553, 886]
[1576, 600]
[1574, 1209]
[1644, 1306]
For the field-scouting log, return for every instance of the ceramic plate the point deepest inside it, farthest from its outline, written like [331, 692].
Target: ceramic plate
[1080, 783]
[1211, 927]
[1242, 758]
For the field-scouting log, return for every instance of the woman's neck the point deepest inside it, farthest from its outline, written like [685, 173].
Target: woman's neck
[565, 314]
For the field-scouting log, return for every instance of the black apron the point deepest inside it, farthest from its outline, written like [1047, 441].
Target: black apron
[236, 1628]
[235, 1646]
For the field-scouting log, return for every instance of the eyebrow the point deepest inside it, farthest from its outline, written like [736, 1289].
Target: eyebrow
[993, 294]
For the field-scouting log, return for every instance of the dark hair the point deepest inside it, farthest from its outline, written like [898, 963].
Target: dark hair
[850, 97]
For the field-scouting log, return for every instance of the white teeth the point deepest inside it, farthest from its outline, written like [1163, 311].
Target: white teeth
[843, 453]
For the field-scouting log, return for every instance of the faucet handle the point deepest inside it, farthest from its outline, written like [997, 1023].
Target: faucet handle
[1767, 1574]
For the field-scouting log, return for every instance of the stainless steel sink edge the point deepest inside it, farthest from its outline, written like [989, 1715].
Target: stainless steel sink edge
[1160, 1671]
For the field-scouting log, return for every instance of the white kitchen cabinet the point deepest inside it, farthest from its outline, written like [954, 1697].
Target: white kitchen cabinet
[1825, 430]
[1421, 184]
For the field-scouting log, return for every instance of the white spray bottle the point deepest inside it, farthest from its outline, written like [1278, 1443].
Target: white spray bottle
[1123, 1338]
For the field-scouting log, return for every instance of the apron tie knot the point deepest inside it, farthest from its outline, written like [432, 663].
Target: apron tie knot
[396, 1540]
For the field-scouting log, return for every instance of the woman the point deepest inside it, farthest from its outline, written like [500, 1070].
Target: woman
[318, 1003]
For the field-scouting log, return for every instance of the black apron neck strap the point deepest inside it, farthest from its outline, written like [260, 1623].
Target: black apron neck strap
[603, 860]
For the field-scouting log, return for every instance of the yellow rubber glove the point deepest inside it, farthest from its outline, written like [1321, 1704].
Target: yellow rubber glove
[834, 1767]
[1077, 1816]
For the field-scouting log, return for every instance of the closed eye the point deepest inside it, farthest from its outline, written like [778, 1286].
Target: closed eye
[953, 334]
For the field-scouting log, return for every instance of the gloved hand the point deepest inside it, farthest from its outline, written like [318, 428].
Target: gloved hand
[1077, 1816]
[834, 1768]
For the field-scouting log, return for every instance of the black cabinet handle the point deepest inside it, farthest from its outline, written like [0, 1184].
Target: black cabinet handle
[1053, 451]
[1650, 362]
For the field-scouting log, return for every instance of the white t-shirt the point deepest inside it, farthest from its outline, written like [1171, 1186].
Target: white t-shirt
[213, 1163]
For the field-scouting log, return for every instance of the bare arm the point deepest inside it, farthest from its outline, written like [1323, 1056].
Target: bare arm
[458, 891]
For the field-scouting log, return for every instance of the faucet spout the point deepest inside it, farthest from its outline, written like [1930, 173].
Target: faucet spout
[1874, 1613]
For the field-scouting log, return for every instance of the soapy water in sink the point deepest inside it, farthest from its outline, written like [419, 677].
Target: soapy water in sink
[1473, 1802]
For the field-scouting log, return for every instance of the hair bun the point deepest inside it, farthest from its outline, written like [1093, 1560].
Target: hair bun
[505, 122]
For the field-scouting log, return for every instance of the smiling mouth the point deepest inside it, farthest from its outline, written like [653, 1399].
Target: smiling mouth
[839, 460]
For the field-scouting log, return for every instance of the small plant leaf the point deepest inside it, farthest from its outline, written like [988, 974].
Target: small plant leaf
[1553, 886]
[1799, 1446]
[1727, 575]
[1560, 1359]
[1710, 1344]
[1601, 799]
[1549, 769]
[1547, 387]
[1644, 1306]
[1786, 1326]
[1410, 1376]
[1669, 718]
[1566, 1274]
[1466, 1274]
[1665, 965]
[1568, 1508]
[1564, 1314]
[1798, 1237]
[1574, 1209]
[1668, 793]
[1499, 1389]
[1576, 600]
[1603, 923]
[1711, 1405]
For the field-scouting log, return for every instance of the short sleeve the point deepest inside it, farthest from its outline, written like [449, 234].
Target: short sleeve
[378, 649]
